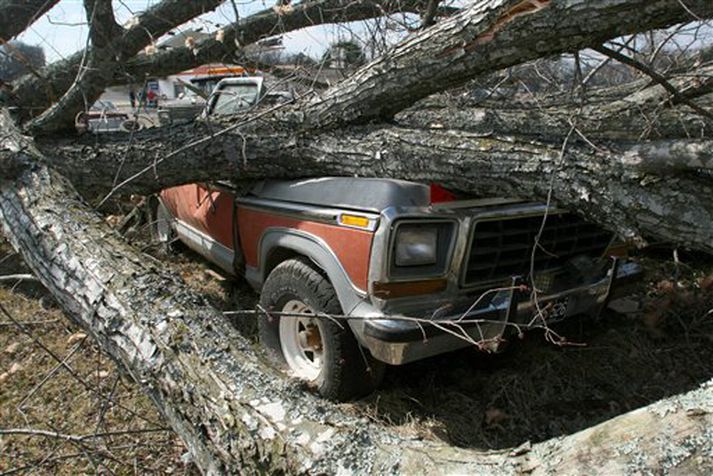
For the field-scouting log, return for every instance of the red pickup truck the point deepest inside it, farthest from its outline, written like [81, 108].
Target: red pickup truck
[358, 272]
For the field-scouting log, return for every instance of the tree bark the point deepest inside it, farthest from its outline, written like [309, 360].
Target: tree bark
[657, 190]
[16, 16]
[633, 112]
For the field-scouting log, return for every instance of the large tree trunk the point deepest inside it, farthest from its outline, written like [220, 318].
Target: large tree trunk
[659, 190]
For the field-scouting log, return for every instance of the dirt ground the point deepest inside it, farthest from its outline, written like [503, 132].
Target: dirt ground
[532, 392]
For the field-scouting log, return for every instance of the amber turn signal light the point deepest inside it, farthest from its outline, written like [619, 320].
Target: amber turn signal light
[354, 220]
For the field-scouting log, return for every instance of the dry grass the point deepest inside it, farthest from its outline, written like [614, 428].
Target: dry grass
[132, 438]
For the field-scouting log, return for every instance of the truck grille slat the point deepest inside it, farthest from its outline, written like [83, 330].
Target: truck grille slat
[502, 248]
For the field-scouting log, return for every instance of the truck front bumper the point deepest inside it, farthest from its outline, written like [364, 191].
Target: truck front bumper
[398, 340]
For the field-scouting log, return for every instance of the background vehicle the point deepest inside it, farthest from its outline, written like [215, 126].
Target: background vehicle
[229, 96]
[386, 253]
[103, 116]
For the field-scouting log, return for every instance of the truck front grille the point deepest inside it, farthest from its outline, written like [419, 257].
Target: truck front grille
[502, 248]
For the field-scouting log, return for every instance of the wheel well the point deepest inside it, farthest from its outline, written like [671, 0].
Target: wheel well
[280, 254]
[275, 257]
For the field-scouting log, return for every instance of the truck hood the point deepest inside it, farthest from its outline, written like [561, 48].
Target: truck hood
[365, 194]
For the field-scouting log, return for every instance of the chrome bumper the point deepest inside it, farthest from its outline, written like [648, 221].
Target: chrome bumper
[396, 341]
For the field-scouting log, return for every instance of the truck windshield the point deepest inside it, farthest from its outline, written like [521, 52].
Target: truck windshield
[234, 98]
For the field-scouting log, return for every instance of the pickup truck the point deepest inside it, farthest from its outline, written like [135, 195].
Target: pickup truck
[355, 273]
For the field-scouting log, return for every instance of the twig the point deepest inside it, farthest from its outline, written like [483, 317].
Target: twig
[77, 438]
[51, 373]
[627, 60]
[29, 323]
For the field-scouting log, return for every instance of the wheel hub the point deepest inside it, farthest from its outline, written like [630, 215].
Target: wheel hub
[301, 340]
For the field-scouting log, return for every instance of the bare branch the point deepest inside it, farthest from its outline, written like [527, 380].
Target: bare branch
[429, 15]
[30, 96]
[17, 277]
[622, 58]
[102, 24]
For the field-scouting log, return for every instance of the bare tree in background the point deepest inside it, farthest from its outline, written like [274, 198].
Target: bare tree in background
[639, 163]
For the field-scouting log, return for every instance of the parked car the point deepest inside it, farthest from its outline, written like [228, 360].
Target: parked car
[103, 116]
[378, 254]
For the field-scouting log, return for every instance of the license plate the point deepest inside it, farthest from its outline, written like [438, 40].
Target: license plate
[556, 310]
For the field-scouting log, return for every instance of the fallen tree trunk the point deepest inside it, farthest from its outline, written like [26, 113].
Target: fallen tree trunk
[657, 190]
[235, 414]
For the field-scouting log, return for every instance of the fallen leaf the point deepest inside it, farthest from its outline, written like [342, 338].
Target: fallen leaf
[14, 368]
[76, 337]
[112, 220]
[665, 287]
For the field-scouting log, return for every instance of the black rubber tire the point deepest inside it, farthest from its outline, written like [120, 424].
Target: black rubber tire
[349, 370]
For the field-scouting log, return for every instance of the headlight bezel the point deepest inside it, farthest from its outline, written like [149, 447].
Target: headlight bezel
[446, 232]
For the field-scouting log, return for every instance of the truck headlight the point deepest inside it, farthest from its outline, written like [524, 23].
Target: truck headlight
[421, 248]
[416, 245]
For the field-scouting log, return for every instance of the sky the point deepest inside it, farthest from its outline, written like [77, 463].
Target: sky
[63, 30]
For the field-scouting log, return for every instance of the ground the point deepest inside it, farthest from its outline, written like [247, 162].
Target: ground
[532, 392]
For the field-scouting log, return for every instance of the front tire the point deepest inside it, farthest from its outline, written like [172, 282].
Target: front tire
[319, 350]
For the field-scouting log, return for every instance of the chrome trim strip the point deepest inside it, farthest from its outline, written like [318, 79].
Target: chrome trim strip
[476, 203]
[204, 245]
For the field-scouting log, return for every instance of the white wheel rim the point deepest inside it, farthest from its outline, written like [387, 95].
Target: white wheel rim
[301, 341]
